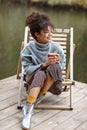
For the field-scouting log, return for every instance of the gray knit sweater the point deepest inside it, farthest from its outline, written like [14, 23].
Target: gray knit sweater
[35, 54]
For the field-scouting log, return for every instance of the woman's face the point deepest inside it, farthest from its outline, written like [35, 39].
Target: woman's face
[45, 35]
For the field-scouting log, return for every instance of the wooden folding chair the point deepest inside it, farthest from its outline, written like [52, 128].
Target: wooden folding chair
[65, 38]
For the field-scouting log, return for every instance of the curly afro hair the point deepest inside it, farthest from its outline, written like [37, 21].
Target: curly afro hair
[37, 22]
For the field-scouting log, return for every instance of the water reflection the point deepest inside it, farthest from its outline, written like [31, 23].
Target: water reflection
[12, 31]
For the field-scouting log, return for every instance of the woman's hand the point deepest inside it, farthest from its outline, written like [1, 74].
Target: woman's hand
[45, 64]
[54, 58]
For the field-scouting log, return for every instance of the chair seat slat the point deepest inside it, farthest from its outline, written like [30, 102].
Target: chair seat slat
[62, 43]
[61, 30]
[59, 39]
[59, 35]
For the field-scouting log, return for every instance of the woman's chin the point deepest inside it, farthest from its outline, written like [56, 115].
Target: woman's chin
[49, 40]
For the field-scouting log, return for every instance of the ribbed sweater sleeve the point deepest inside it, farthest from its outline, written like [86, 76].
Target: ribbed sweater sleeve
[28, 61]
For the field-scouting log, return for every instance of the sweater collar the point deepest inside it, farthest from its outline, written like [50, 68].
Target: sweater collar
[42, 46]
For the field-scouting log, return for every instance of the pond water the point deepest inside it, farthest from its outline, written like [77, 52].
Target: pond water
[12, 18]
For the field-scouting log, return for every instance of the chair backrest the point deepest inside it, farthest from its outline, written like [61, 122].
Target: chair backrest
[65, 38]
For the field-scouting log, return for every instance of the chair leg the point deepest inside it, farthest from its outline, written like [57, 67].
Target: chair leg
[64, 89]
[71, 98]
[20, 93]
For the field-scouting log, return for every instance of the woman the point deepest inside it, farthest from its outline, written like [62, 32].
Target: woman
[43, 61]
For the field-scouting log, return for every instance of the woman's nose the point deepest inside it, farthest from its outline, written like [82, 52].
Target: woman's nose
[50, 33]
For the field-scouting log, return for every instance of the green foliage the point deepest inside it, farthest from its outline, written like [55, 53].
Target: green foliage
[82, 3]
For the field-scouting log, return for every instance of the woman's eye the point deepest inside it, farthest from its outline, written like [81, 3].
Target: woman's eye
[46, 32]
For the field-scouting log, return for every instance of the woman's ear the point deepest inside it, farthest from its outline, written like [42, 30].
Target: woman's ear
[36, 34]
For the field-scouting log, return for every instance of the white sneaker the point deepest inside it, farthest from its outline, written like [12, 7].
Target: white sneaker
[27, 110]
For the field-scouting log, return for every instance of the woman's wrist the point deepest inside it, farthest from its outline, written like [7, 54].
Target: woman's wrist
[43, 65]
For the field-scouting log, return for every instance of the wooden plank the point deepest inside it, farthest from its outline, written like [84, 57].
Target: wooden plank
[65, 83]
[82, 126]
[10, 102]
[17, 126]
[74, 122]
[59, 39]
[59, 34]
[10, 111]
[63, 72]
[11, 120]
[8, 94]
[64, 48]
[60, 30]
[63, 43]
[7, 83]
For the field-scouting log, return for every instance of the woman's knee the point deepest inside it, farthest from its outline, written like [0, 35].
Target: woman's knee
[40, 73]
[53, 67]
[38, 79]
[55, 72]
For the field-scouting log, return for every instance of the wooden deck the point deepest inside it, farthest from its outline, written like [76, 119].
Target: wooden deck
[11, 117]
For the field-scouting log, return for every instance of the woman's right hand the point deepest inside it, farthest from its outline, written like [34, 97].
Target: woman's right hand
[45, 64]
